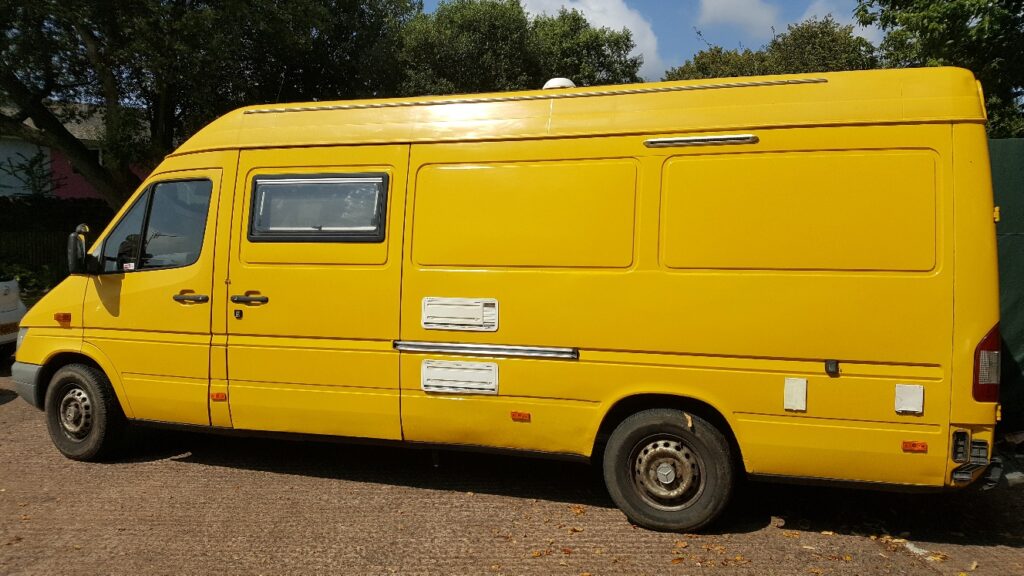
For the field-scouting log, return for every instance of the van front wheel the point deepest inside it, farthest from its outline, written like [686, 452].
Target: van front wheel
[668, 470]
[82, 415]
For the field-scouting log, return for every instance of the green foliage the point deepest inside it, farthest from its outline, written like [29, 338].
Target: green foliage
[494, 45]
[33, 282]
[984, 36]
[810, 46]
[717, 62]
[567, 46]
[151, 72]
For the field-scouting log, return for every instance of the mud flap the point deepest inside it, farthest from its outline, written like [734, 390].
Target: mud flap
[1007, 468]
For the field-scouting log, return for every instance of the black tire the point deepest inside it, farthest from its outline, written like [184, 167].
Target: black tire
[82, 414]
[669, 470]
[6, 353]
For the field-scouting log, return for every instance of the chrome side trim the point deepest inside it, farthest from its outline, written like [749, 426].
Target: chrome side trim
[484, 100]
[701, 140]
[488, 350]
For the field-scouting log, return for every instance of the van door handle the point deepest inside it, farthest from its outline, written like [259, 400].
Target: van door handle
[189, 297]
[246, 299]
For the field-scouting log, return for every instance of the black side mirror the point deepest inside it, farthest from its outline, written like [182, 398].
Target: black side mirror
[76, 250]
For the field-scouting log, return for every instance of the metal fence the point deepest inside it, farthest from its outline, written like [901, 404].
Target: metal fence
[35, 250]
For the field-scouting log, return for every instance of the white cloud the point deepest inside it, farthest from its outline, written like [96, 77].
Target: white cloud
[755, 17]
[842, 12]
[614, 14]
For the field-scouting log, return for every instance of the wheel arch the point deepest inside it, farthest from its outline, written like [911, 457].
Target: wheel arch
[90, 356]
[633, 403]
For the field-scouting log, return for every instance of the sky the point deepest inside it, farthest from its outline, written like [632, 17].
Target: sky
[665, 31]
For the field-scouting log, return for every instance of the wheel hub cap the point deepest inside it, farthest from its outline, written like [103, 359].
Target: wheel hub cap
[666, 472]
[76, 414]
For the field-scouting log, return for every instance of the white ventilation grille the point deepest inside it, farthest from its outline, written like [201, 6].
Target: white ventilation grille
[475, 314]
[445, 377]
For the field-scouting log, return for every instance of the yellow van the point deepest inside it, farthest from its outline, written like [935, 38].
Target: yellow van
[685, 282]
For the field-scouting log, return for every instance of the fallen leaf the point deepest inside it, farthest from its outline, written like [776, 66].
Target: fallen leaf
[681, 544]
[578, 510]
[828, 533]
[974, 566]
[717, 548]
[678, 560]
[847, 558]
[791, 534]
[566, 551]
[574, 529]
[937, 557]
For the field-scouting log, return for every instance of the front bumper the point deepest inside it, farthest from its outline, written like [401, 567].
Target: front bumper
[26, 382]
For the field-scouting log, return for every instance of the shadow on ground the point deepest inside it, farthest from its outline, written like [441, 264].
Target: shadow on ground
[969, 517]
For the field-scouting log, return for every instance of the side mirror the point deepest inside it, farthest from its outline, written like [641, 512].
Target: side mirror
[76, 250]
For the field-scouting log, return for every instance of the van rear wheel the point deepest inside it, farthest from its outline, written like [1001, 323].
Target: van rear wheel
[82, 414]
[669, 470]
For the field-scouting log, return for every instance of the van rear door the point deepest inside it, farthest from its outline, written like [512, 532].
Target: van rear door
[315, 272]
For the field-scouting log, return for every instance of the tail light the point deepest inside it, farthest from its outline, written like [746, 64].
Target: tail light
[986, 367]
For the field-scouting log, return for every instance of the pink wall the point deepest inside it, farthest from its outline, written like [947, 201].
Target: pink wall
[73, 185]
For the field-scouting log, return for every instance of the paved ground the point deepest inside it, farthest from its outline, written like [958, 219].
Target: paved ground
[198, 504]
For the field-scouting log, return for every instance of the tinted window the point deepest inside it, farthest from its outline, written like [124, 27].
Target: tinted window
[177, 220]
[121, 248]
[319, 208]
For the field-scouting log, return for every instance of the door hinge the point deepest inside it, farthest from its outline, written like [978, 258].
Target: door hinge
[995, 215]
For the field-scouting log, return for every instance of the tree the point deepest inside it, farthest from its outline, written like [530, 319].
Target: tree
[494, 45]
[984, 36]
[154, 71]
[567, 46]
[814, 45]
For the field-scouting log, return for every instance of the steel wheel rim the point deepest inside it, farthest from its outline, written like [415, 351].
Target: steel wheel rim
[666, 472]
[75, 414]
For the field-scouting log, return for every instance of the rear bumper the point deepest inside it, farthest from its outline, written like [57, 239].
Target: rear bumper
[26, 382]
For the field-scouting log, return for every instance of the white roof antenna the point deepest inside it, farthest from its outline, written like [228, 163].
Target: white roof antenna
[559, 83]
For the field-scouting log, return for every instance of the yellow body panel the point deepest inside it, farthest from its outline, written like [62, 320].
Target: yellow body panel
[852, 223]
[526, 213]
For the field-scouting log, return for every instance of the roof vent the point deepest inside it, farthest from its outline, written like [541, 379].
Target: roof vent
[558, 83]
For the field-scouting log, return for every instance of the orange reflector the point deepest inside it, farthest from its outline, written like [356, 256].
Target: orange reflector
[218, 396]
[520, 416]
[915, 446]
[63, 317]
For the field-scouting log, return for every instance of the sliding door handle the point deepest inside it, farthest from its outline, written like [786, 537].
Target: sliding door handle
[191, 298]
[247, 299]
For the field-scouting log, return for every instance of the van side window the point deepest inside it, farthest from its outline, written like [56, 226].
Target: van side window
[176, 223]
[163, 229]
[319, 208]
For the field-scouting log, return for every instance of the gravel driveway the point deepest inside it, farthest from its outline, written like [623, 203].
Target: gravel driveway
[203, 504]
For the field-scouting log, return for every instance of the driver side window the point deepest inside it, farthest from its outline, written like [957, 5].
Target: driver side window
[163, 229]
[121, 248]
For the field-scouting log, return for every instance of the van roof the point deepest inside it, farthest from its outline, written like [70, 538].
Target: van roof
[836, 98]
